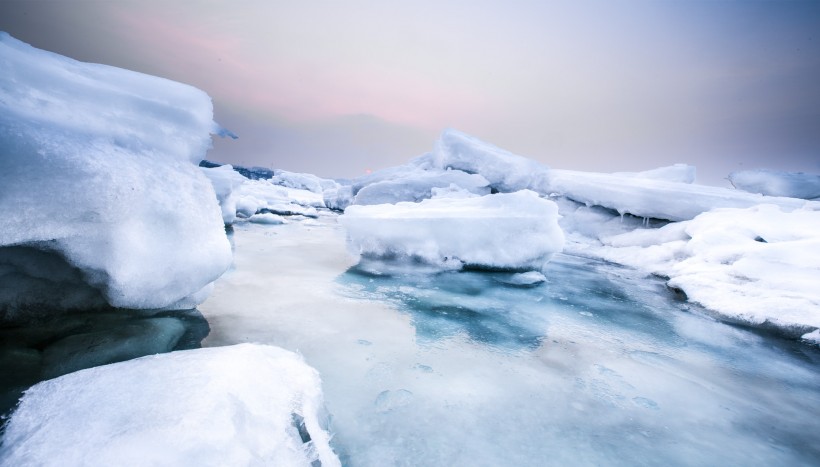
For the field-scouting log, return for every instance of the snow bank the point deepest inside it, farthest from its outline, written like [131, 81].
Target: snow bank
[98, 176]
[505, 171]
[647, 197]
[769, 182]
[240, 405]
[505, 231]
[759, 265]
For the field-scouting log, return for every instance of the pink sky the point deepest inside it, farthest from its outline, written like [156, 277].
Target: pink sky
[337, 87]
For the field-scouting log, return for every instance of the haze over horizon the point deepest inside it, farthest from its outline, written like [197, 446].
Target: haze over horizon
[336, 89]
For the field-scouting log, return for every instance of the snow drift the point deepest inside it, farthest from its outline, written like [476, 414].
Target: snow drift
[240, 405]
[100, 196]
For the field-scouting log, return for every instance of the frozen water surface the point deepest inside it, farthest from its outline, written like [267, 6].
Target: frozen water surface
[594, 366]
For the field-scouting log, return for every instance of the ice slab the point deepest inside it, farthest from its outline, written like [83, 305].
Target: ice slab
[238, 405]
[98, 173]
[417, 185]
[502, 231]
[647, 197]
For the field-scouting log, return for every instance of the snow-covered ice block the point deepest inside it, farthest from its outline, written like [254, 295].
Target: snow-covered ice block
[240, 405]
[646, 197]
[267, 218]
[418, 184]
[759, 265]
[505, 171]
[98, 173]
[502, 231]
[772, 183]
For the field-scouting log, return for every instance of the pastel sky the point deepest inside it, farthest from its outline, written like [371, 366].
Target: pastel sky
[338, 87]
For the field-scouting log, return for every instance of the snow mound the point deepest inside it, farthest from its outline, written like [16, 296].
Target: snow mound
[772, 183]
[503, 231]
[239, 405]
[759, 265]
[99, 186]
[505, 171]
[647, 197]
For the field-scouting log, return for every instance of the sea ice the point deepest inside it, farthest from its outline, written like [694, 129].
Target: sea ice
[502, 231]
[245, 404]
[98, 175]
[772, 183]
[419, 184]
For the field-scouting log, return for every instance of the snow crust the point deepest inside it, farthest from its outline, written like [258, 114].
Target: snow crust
[245, 404]
[773, 183]
[502, 231]
[98, 175]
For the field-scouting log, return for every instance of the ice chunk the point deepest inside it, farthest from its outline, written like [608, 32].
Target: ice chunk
[524, 278]
[681, 173]
[267, 218]
[418, 185]
[505, 171]
[338, 198]
[239, 405]
[646, 197]
[772, 183]
[504, 231]
[97, 172]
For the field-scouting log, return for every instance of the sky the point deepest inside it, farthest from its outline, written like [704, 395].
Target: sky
[339, 88]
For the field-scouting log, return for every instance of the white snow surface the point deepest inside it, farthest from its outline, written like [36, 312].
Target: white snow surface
[97, 172]
[302, 181]
[656, 198]
[207, 407]
[507, 231]
[756, 265]
[773, 183]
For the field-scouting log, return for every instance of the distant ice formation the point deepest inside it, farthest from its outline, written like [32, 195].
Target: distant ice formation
[773, 183]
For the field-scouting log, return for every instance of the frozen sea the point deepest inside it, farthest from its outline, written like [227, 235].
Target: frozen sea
[596, 366]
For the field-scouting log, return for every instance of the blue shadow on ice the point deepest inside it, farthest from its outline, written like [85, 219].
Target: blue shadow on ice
[485, 308]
